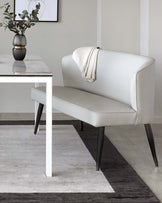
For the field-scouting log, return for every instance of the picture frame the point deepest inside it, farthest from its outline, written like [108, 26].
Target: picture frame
[48, 11]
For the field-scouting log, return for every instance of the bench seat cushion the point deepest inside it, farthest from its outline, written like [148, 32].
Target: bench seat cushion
[90, 108]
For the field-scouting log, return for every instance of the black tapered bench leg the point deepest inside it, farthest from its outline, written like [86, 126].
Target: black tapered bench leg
[81, 126]
[39, 113]
[100, 142]
[151, 142]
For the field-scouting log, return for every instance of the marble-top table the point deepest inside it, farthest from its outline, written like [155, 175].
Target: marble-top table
[32, 70]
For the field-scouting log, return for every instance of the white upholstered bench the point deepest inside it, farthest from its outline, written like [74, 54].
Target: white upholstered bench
[122, 94]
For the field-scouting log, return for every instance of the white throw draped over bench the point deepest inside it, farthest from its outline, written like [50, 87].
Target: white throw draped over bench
[122, 94]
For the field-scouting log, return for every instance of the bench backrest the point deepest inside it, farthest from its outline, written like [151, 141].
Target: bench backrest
[116, 75]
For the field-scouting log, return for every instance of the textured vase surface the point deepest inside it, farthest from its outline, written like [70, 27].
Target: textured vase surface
[19, 50]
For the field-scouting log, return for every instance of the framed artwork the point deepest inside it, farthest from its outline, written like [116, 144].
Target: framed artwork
[48, 10]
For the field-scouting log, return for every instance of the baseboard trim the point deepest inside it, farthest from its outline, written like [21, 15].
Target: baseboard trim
[31, 122]
[19, 122]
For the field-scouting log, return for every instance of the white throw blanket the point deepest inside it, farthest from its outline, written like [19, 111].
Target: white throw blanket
[86, 60]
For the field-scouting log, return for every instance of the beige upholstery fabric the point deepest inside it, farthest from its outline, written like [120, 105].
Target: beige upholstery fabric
[122, 94]
[93, 109]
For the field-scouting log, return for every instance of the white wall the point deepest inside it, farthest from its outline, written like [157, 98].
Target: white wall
[121, 25]
[144, 27]
[155, 50]
[76, 27]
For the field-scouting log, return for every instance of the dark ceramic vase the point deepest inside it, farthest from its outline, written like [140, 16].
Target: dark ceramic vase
[19, 50]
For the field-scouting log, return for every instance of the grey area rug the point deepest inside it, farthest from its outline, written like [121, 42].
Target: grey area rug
[22, 158]
[128, 186]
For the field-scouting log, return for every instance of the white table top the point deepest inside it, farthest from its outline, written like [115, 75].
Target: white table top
[31, 66]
